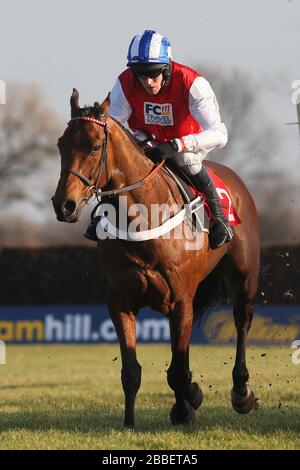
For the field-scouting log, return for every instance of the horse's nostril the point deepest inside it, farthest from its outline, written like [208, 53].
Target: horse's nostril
[68, 207]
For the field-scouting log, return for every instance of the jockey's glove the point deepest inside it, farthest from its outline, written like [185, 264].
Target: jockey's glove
[165, 150]
[144, 140]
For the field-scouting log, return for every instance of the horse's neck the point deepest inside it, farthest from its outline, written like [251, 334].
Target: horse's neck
[130, 164]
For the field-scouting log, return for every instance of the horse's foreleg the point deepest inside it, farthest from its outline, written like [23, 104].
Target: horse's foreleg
[125, 325]
[242, 397]
[188, 396]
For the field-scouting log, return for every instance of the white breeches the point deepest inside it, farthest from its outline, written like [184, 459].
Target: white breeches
[191, 163]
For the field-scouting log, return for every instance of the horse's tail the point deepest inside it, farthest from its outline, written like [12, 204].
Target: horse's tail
[211, 292]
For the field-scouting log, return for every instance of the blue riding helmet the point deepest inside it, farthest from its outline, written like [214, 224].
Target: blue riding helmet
[149, 47]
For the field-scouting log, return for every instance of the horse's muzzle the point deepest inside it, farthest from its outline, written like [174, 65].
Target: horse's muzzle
[66, 211]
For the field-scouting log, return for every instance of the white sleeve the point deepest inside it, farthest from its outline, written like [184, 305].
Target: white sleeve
[204, 108]
[119, 109]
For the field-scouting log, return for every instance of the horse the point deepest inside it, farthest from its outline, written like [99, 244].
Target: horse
[98, 155]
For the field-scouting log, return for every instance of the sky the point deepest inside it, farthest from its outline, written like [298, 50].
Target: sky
[66, 43]
[73, 43]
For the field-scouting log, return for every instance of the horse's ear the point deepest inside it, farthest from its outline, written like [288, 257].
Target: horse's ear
[105, 105]
[97, 110]
[74, 102]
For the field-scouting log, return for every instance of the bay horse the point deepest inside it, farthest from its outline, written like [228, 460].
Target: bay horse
[99, 154]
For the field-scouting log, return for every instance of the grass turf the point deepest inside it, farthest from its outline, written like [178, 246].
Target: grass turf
[70, 397]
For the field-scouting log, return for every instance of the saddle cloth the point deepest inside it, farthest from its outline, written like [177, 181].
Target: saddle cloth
[189, 192]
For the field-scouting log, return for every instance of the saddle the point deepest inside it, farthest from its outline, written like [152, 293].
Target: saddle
[190, 193]
[195, 207]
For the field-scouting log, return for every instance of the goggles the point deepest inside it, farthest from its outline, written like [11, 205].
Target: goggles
[150, 71]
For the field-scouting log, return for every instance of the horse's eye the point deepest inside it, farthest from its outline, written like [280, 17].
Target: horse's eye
[95, 149]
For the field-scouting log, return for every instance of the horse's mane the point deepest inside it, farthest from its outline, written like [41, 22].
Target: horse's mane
[128, 133]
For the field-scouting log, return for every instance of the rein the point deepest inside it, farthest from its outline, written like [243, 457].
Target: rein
[104, 159]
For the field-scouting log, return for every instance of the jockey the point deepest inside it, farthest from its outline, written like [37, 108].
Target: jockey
[178, 108]
[175, 110]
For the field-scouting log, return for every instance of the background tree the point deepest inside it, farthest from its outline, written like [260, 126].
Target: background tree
[28, 136]
[29, 162]
[29, 170]
[253, 151]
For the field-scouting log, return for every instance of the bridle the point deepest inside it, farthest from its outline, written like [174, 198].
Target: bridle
[104, 160]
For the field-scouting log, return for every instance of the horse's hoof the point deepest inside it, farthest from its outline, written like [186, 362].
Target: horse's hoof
[129, 427]
[244, 404]
[128, 424]
[194, 395]
[188, 417]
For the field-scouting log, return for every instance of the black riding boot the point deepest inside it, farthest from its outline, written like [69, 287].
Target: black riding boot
[220, 230]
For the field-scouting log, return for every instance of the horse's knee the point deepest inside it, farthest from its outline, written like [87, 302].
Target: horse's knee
[131, 378]
[178, 378]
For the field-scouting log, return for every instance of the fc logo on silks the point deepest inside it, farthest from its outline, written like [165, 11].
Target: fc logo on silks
[159, 114]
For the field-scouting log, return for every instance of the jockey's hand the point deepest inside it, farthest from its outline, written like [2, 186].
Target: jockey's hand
[164, 150]
[145, 144]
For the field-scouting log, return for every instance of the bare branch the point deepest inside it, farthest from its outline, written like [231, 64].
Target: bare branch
[28, 137]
